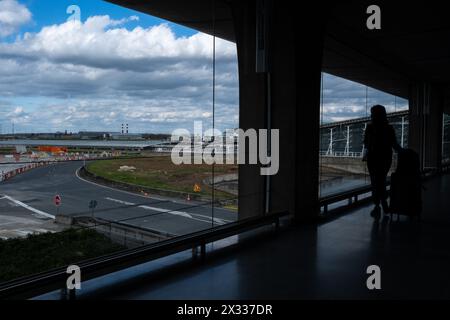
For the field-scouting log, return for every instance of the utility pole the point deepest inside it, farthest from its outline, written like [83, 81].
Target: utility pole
[330, 145]
[403, 133]
[347, 143]
[364, 147]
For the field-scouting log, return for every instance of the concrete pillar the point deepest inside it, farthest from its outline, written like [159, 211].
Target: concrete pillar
[426, 102]
[252, 102]
[291, 91]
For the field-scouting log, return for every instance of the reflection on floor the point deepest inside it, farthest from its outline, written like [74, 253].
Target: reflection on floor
[342, 184]
[327, 261]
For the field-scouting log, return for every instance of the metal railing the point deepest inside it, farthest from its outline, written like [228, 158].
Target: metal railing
[352, 196]
[341, 154]
[42, 283]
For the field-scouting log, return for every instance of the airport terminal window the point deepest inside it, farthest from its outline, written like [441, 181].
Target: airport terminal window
[446, 139]
[86, 133]
[345, 112]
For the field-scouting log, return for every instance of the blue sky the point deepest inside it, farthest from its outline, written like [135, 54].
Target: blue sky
[117, 65]
[114, 65]
[48, 12]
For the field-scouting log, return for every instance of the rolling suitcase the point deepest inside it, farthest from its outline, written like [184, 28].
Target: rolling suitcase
[406, 186]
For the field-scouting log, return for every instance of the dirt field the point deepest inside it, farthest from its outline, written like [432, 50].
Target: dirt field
[159, 172]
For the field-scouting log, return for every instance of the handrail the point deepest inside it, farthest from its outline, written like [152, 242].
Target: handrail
[42, 283]
[55, 279]
[351, 196]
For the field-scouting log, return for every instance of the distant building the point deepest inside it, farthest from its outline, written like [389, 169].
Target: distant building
[88, 135]
[126, 136]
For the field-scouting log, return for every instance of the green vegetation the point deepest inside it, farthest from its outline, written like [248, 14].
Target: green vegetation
[231, 207]
[6, 150]
[159, 172]
[39, 253]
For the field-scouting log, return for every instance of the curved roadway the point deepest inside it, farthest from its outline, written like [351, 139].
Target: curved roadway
[34, 192]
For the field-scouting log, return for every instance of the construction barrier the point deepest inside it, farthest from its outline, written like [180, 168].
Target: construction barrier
[12, 173]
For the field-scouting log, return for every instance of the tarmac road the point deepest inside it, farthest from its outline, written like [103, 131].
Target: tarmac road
[33, 192]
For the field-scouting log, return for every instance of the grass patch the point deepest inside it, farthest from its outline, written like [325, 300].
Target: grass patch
[39, 253]
[231, 207]
[160, 173]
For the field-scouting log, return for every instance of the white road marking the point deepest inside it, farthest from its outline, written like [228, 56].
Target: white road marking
[176, 213]
[7, 223]
[193, 216]
[23, 205]
[121, 202]
[77, 173]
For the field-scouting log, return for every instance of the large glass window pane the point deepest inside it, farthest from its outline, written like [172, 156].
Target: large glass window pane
[345, 113]
[93, 101]
[446, 139]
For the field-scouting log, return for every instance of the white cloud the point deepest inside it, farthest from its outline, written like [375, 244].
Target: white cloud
[18, 111]
[97, 74]
[99, 42]
[344, 100]
[12, 16]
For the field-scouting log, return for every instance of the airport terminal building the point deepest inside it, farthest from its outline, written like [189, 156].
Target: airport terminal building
[288, 239]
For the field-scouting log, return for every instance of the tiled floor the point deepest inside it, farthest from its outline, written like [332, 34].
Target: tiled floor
[326, 261]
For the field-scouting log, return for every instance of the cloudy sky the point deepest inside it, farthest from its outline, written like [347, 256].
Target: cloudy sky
[343, 99]
[118, 66]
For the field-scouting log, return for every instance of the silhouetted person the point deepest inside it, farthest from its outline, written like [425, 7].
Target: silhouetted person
[379, 140]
